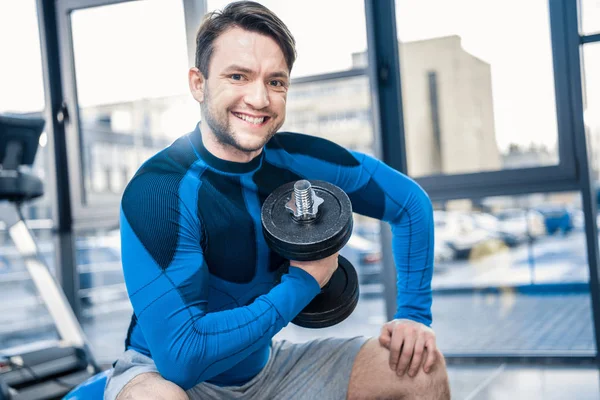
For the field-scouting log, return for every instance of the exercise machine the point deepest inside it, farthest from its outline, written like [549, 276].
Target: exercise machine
[48, 369]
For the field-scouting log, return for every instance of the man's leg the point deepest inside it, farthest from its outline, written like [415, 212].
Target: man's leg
[151, 386]
[372, 378]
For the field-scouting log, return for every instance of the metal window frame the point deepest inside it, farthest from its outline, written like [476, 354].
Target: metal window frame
[383, 70]
[69, 213]
[561, 177]
[100, 214]
[590, 38]
[571, 174]
[59, 181]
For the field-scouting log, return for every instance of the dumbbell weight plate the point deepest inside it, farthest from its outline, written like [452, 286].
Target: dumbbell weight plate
[336, 301]
[307, 241]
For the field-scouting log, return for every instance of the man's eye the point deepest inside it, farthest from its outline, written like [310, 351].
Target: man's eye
[236, 77]
[276, 83]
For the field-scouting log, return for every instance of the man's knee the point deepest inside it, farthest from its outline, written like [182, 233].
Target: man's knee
[433, 385]
[151, 386]
[372, 378]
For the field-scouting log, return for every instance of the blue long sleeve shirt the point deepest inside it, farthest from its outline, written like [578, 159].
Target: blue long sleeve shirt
[199, 274]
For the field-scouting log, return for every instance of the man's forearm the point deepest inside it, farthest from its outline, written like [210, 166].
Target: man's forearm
[215, 342]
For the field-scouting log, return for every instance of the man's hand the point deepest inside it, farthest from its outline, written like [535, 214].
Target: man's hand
[321, 270]
[410, 343]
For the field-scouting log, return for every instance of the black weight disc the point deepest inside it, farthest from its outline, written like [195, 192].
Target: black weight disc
[324, 236]
[336, 301]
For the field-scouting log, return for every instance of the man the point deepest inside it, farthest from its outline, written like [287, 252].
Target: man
[200, 276]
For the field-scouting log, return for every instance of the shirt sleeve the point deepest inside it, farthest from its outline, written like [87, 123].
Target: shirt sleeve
[377, 191]
[167, 281]
[388, 195]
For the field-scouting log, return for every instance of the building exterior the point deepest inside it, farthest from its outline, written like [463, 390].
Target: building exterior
[448, 108]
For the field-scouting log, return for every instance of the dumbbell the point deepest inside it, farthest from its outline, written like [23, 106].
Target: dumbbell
[307, 221]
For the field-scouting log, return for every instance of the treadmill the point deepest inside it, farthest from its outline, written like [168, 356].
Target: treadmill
[48, 369]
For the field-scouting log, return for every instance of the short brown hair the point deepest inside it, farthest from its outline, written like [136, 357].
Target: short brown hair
[247, 15]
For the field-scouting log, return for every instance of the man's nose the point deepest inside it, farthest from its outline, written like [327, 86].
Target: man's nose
[257, 96]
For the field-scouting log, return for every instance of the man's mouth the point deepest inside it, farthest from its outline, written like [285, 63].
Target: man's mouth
[252, 120]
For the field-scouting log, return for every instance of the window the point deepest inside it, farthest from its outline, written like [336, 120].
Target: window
[324, 43]
[476, 96]
[126, 79]
[590, 16]
[512, 275]
[591, 66]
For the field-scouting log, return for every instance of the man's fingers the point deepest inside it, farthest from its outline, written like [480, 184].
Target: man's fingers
[385, 340]
[431, 355]
[385, 337]
[395, 347]
[407, 352]
[417, 357]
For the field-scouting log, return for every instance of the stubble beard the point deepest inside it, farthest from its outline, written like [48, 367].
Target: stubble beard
[223, 132]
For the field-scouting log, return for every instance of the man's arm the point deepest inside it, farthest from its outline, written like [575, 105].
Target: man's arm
[409, 338]
[388, 195]
[167, 281]
[377, 191]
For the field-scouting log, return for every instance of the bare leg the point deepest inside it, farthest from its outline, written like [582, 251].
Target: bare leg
[151, 386]
[372, 378]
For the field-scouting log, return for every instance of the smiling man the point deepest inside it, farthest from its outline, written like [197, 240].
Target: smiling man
[200, 276]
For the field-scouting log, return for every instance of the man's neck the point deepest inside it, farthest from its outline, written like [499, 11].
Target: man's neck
[224, 151]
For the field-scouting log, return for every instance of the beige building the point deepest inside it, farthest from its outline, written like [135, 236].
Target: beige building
[448, 109]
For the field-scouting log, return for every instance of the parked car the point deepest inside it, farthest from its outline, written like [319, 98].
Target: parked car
[494, 227]
[365, 255]
[557, 218]
[458, 230]
[522, 224]
[371, 231]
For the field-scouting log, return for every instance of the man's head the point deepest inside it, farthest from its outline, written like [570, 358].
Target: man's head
[244, 56]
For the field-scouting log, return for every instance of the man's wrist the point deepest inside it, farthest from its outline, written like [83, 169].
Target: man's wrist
[296, 290]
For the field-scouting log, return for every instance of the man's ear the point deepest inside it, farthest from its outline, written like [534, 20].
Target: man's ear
[197, 84]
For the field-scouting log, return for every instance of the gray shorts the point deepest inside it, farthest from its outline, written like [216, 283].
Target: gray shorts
[319, 369]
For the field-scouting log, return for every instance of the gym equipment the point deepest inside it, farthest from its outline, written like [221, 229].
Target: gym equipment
[49, 369]
[307, 221]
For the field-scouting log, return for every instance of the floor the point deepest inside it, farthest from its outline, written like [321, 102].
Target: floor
[502, 382]
[509, 321]
[496, 381]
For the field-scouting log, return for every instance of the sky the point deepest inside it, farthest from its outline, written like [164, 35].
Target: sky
[122, 56]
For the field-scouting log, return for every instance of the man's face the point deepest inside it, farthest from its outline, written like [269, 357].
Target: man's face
[244, 97]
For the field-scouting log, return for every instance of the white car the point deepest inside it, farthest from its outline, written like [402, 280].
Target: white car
[458, 230]
[523, 224]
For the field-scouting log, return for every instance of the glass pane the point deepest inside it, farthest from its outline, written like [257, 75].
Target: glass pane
[21, 79]
[590, 16]
[512, 275]
[320, 53]
[323, 109]
[476, 96]
[105, 305]
[591, 116]
[130, 82]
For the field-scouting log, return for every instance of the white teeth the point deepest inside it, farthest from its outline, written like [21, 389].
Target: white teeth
[252, 120]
